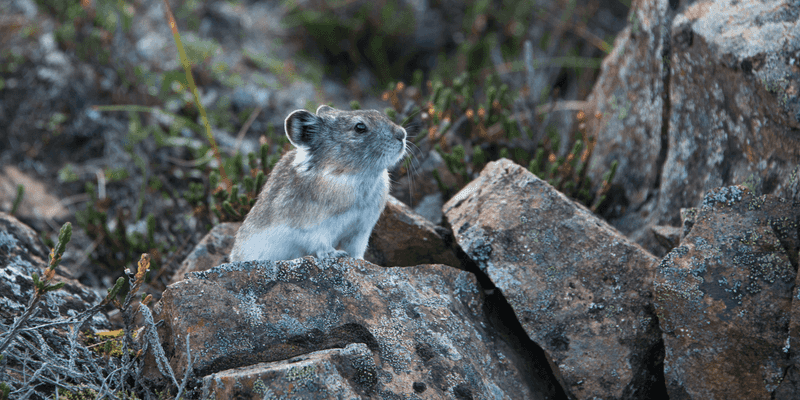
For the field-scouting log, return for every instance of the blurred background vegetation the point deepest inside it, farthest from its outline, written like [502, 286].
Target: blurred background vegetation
[475, 81]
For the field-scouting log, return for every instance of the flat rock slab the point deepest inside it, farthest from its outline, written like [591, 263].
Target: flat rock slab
[581, 290]
[724, 298]
[37, 200]
[345, 373]
[424, 325]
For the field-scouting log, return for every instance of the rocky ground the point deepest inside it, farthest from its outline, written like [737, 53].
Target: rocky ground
[486, 282]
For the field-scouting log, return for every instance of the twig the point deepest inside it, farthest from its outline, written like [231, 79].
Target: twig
[101, 184]
[245, 127]
[564, 105]
[151, 337]
[188, 368]
[18, 323]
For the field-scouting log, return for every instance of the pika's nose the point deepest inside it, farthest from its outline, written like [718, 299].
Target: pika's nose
[400, 134]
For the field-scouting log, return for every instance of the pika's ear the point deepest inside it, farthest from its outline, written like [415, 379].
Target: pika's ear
[323, 109]
[301, 127]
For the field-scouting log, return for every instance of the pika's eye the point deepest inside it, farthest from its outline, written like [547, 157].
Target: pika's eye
[360, 127]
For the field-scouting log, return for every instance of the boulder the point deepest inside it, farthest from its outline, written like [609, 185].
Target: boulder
[727, 299]
[581, 290]
[696, 96]
[424, 326]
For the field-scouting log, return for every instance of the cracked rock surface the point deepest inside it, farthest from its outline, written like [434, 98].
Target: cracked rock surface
[424, 326]
[697, 95]
[727, 300]
[581, 290]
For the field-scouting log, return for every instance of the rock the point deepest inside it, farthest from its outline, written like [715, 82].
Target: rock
[400, 238]
[404, 238]
[37, 201]
[688, 216]
[580, 289]
[693, 99]
[424, 326]
[724, 298]
[211, 251]
[667, 236]
[346, 373]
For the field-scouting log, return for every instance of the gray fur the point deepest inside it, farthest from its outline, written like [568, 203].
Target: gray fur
[324, 197]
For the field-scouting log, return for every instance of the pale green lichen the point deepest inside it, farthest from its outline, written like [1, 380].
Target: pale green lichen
[301, 374]
[727, 196]
[261, 388]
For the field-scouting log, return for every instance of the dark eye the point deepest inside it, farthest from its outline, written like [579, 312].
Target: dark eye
[360, 127]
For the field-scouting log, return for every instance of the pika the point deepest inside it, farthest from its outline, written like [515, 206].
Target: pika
[324, 197]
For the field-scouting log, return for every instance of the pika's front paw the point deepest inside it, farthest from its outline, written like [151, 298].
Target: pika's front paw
[339, 254]
[333, 254]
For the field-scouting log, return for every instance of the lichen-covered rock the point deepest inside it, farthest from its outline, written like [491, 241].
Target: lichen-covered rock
[425, 324]
[347, 373]
[580, 289]
[695, 97]
[724, 298]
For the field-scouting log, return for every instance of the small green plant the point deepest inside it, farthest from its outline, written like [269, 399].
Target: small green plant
[374, 34]
[483, 113]
[4, 388]
[66, 174]
[247, 180]
[87, 27]
[605, 186]
[18, 199]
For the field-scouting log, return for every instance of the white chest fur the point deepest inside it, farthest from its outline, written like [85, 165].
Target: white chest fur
[339, 231]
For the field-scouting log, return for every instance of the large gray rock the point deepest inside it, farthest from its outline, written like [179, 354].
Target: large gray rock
[725, 300]
[425, 325]
[581, 290]
[694, 98]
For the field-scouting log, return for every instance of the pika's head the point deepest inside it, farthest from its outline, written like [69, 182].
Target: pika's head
[344, 142]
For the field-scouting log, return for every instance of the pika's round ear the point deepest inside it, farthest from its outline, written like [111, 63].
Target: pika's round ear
[323, 109]
[301, 126]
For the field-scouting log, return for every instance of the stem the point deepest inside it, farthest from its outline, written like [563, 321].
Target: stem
[18, 323]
